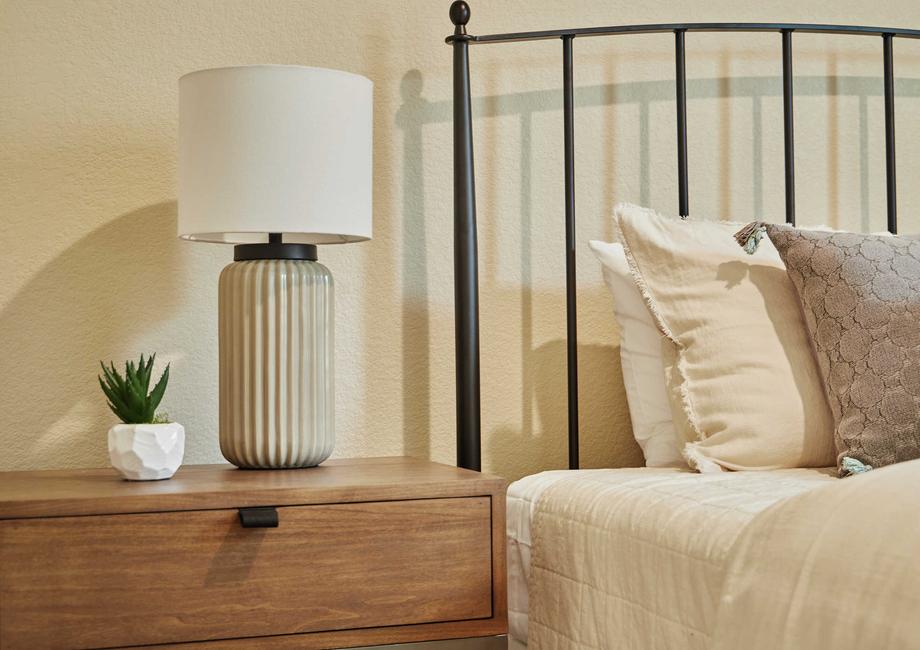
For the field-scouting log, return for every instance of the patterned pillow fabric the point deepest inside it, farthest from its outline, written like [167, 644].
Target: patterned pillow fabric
[860, 295]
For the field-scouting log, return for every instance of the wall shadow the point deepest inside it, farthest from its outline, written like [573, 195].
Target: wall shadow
[414, 114]
[605, 433]
[83, 306]
[416, 323]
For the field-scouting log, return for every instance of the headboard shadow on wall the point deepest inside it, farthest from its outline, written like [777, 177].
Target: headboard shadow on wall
[547, 397]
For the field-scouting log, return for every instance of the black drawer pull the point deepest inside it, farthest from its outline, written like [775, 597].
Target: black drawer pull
[259, 517]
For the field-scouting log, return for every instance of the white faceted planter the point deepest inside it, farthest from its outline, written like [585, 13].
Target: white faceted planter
[147, 452]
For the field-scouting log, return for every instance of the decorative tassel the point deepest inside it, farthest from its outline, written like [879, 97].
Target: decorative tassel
[749, 237]
[850, 466]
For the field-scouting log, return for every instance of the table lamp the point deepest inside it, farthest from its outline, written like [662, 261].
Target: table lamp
[275, 159]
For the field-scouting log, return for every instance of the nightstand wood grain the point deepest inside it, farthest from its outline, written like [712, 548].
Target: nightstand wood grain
[369, 551]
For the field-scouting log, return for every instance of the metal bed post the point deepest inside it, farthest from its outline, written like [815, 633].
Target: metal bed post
[568, 109]
[890, 180]
[788, 124]
[466, 272]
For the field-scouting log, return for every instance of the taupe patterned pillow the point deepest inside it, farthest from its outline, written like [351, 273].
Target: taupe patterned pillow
[861, 300]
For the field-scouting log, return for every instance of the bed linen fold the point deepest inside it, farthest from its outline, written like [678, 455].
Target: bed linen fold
[636, 558]
[838, 567]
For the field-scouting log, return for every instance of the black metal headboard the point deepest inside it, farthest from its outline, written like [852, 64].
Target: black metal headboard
[466, 284]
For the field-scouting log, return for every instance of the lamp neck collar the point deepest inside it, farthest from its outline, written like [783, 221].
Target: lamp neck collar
[274, 251]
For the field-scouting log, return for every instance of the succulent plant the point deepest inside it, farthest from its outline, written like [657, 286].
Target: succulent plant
[128, 397]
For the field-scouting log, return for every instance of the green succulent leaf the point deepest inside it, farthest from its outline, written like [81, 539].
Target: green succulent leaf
[111, 376]
[148, 370]
[116, 378]
[129, 396]
[156, 395]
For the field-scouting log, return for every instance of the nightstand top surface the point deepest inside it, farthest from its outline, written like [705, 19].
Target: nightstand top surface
[58, 493]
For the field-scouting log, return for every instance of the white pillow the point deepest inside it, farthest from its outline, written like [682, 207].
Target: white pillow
[746, 385]
[641, 359]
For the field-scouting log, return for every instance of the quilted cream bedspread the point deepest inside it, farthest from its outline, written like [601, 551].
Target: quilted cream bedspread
[835, 568]
[636, 559]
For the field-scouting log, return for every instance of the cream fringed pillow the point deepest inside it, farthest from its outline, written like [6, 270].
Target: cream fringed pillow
[745, 385]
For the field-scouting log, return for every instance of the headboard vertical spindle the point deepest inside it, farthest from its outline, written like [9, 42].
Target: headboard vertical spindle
[890, 175]
[680, 70]
[568, 109]
[788, 127]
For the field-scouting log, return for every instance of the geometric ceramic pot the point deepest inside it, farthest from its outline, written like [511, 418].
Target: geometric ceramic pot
[147, 452]
[277, 392]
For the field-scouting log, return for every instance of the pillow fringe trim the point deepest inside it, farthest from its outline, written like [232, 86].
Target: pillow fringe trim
[649, 301]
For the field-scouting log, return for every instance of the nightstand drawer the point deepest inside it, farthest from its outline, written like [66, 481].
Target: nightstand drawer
[102, 581]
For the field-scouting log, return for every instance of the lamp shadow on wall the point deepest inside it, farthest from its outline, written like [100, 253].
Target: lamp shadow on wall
[82, 306]
[513, 452]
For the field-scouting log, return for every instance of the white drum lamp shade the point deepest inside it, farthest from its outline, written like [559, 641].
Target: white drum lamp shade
[275, 149]
[275, 159]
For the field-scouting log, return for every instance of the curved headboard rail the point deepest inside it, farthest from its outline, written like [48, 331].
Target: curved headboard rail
[663, 28]
[466, 284]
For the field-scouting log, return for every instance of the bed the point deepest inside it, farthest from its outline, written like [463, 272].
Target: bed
[662, 540]
[788, 556]
[657, 558]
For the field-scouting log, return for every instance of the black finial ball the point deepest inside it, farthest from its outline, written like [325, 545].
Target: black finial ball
[459, 13]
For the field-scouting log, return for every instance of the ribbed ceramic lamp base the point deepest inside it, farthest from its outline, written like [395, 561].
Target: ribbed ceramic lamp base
[276, 363]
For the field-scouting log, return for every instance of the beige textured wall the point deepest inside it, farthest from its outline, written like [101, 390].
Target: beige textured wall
[91, 268]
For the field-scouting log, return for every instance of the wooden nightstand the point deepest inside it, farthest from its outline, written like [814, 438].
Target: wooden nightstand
[366, 551]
